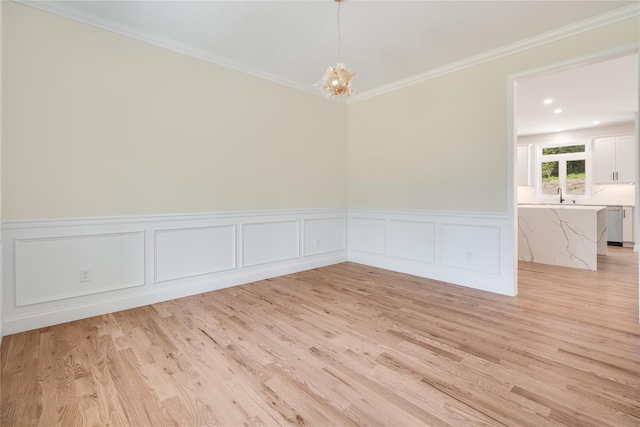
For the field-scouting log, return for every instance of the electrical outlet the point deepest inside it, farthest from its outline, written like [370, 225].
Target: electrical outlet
[85, 275]
[317, 243]
[469, 256]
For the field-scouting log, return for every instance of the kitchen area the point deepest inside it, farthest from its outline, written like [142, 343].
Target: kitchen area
[576, 163]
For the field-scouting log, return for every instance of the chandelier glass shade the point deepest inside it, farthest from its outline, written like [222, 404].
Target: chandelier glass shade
[336, 82]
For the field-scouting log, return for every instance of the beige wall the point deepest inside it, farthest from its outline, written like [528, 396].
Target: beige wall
[97, 124]
[100, 124]
[441, 145]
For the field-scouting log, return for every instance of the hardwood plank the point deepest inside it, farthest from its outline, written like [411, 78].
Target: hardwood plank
[345, 345]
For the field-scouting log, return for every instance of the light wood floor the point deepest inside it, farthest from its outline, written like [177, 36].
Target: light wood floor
[345, 345]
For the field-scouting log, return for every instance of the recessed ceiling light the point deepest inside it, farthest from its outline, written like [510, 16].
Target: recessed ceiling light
[558, 130]
[548, 101]
[596, 122]
[557, 110]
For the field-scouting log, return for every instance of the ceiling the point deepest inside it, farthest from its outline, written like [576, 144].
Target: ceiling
[605, 92]
[387, 43]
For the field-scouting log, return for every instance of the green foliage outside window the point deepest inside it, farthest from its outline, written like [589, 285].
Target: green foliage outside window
[575, 168]
[550, 171]
[563, 149]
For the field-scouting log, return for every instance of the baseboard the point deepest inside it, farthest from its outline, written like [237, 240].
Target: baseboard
[469, 249]
[135, 261]
[110, 305]
[475, 281]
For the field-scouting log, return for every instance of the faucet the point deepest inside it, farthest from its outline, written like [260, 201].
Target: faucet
[560, 193]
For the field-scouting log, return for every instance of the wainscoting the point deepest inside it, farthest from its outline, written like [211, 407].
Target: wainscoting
[473, 250]
[132, 261]
[62, 270]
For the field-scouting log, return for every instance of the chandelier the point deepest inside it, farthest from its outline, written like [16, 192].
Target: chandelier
[336, 82]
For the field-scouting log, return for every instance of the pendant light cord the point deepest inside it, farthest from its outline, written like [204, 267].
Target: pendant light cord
[339, 34]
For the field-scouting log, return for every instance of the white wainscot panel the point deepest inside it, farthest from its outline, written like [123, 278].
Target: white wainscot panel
[266, 242]
[187, 252]
[367, 235]
[324, 235]
[471, 247]
[49, 269]
[413, 240]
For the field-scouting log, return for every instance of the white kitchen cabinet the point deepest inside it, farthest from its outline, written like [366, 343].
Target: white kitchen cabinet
[614, 160]
[523, 164]
[627, 224]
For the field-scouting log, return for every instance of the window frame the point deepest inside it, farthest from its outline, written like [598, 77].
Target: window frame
[562, 160]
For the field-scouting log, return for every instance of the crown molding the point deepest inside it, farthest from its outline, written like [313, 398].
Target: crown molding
[541, 39]
[61, 9]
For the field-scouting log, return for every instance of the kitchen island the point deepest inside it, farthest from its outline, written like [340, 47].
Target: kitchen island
[564, 235]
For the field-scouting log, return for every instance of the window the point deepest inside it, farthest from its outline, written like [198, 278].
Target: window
[564, 167]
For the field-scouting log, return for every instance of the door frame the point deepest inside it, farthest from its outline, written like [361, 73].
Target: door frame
[512, 200]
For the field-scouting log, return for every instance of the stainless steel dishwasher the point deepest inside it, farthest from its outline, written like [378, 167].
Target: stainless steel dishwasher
[614, 225]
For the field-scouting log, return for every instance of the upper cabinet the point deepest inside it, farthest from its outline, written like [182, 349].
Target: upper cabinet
[523, 166]
[614, 160]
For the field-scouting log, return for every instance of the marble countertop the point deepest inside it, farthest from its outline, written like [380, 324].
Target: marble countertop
[566, 235]
[559, 206]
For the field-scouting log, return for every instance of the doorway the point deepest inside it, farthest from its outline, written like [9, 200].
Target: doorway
[566, 118]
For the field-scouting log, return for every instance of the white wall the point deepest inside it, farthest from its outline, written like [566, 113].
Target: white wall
[141, 260]
[1, 131]
[461, 248]
[578, 135]
[101, 125]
